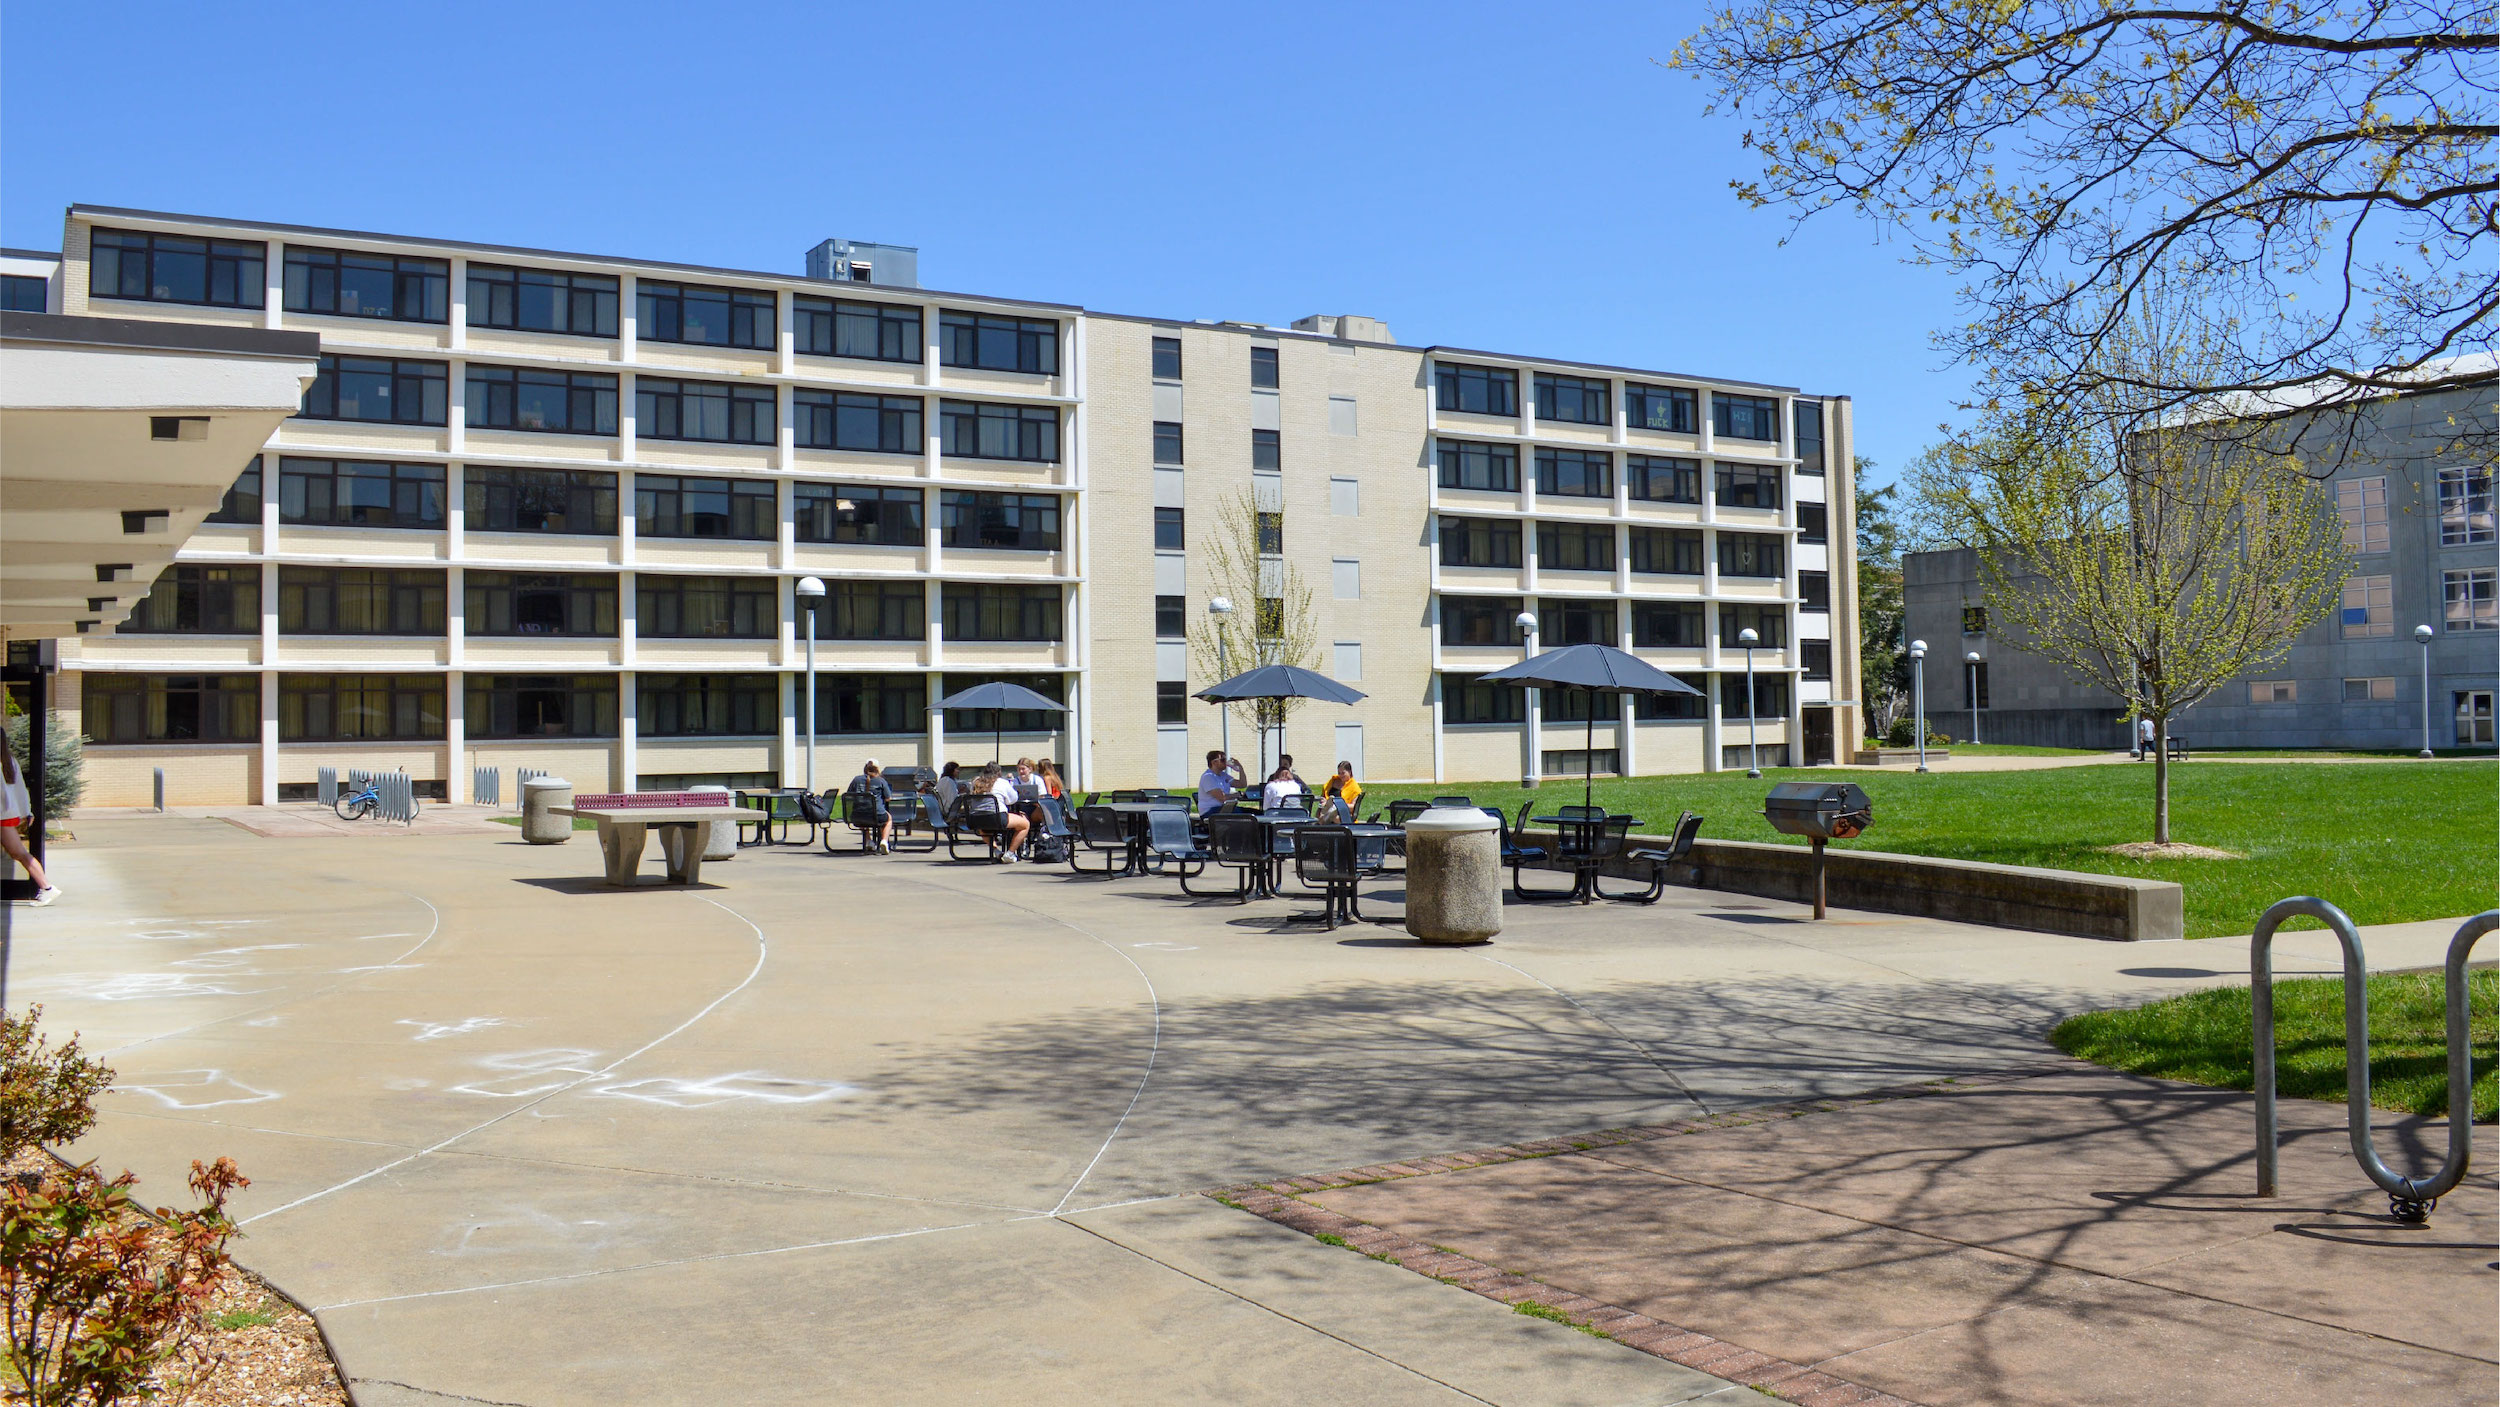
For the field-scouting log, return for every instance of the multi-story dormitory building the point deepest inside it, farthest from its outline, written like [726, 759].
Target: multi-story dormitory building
[549, 510]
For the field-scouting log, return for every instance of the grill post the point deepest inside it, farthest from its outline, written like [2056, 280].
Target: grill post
[1818, 876]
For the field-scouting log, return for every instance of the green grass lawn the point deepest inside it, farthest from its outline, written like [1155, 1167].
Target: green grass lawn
[2387, 843]
[580, 823]
[2204, 1038]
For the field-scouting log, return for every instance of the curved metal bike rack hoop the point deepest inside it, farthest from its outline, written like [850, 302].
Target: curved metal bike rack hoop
[2408, 1198]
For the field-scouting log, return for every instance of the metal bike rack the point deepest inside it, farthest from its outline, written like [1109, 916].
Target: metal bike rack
[2409, 1199]
[328, 785]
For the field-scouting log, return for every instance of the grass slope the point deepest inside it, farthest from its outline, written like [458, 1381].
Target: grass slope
[2387, 842]
[2205, 1038]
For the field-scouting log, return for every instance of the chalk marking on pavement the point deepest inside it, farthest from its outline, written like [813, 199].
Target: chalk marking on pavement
[431, 929]
[1620, 1034]
[761, 950]
[662, 1264]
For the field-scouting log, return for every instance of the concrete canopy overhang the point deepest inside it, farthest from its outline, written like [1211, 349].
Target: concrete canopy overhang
[117, 436]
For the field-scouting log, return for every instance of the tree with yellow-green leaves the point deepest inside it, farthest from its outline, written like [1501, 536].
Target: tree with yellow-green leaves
[1242, 560]
[2322, 173]
[2158, 554]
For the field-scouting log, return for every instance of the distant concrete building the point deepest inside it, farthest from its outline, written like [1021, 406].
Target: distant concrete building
[2417, 510]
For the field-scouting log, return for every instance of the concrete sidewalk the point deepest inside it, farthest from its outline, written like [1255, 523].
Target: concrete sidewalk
[2074, 1237]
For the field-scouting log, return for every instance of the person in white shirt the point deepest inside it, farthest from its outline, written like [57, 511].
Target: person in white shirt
[1282, 790]
[2144, 736]
[1001, 789]
[17, 812]
[1217, 784]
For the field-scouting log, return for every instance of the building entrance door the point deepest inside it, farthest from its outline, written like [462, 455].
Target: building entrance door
[1818, 737]
[2474, 721]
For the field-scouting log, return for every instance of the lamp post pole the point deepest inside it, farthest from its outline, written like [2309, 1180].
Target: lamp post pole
[811, 590]
[1918, 697]
[1753, 726]
[2422, 633]
[1972, 659]
[1531, 769]
[1221, 608]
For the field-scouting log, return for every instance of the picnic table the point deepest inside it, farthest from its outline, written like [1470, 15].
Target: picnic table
[1371, 845]
[1132, 816]
[1577, 845]
[626, 819]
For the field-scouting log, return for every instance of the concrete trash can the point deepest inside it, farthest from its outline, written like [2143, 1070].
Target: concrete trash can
[539, 825]
[1454, 876]
[720, 838]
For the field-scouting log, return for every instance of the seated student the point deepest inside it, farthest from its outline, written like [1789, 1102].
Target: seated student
[871, 784]
[1282, 790]
[1052, 787]
[1342, 790]
[1284, 764]
[946, 788]
[1029, 786]
[1217, 784]
[994, 810]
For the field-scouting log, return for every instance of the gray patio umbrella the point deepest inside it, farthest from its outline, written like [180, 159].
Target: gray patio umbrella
[1592, 669]
[998, 696]
[1279, 681]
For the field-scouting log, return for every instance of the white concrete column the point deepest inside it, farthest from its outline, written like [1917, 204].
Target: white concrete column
[628, 603]
[937, 723]
[787, 338]
[793, 686]
[628, 315]
[268, 737]
[625, 446]
[786, 546]
[273, 287]
[1702, 426]
[456, 616]
[625, 521]
[628, 755]
[455, 510]
[930, 372]
[456, 739]
[459, 303]
[1710, 726]
[786, 434]
[456, 419]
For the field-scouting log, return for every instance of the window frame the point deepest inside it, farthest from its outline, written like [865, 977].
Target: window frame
[1264, 359]
[1459, 612]
[1734, 546]
[1500, 461]
[594, 395]
[593, 298]
[484, 500]
[965, 338]
[2361, 506]
[431, 280]
[725, 697]
[420, 484]
[223, 599]
[1757, 412]
[1592, 398]
[1038, 428]
[430, 380]
[1577, 620]
[1267, 452]
[958, 532]
[747, 414]
[750, 318]
[1643, 472]
[2477, 590]
[2469, 523]
[1467, 701]
[1500, 388]
[401, 695]
[749, 609]
[805, 494]
[241, 505]
[1503, 540]
[1167, 358]
[2377, 611]
[1674, 546]
[231, 256]
[742, 497]
[408, 603]
[832, 420]
[1169, 449]
[483, 693]
[108, 698]
[838, 318]
[893, 609]
[1552, 462]
[1177, 540]
[1681, 404]
[1570, 539]
[1692, 619]
[1039, 611]
[1733, 483]
[901, 700]
[594, 595]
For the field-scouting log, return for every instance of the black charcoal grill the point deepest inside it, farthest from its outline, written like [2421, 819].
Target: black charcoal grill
[1819, 811]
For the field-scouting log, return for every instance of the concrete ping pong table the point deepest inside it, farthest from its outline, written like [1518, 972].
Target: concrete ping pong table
[683, 819]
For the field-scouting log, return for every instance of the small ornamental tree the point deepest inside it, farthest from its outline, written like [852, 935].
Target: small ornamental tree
[1273, 621]
[47, 1096]
[2155, 555]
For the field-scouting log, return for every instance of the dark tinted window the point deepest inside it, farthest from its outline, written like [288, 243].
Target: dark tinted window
[505, 500]
[722, 412]
[1013, 720]
[1575, 473]
[359, 493]
[1167, 443]
[23, 293]
[979, 430]
[1480, 542]
[1813, 522]
[1572, 622]
[994, 343]
[1770, 696]
[1167, 359]
[1769, 623]
[1028, 521]
[1814, 591]
[1666, 551]
[1467, 465]
[1748, 554]
[1807, 417]
[1171, 533]
[706, 607]
[1659, 706]
[361, 601]
[667, 505]
[326, 708]
[378, 389]
[1171, 701]
[1263, 368]
[1481, 390]
[841, 420]
[170, 708]
[242, 502]
[707, 705]
[541, 706]
[199, 600]
[860, 513]
[1575, 547]
[560, 402]
[1479, 620]
[872, 703]
[348, 284]
[1658, 407]
[1171, 617]
[712, 317]
[855, 609]
[177, 269]
[1816, 658]
[539, 300]
[1654, 480]
[1266, 450]
[1575, 399]
[838, 327]
[1744, 417]
[1464, 699]
[988, 611]
[1748, 485]
[1667, 625]
[540, 603]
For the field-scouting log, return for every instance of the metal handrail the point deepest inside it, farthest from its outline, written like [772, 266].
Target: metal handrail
[2409, 1199]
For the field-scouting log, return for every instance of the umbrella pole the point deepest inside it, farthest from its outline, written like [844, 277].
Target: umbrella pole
[1588, 749]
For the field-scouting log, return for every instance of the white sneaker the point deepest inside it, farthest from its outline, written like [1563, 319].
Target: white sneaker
[46, 895]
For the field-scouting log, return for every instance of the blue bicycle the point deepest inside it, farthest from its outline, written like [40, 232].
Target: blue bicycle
[365, 803]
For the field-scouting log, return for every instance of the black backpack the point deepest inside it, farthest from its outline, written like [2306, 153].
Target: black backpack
[813, 810]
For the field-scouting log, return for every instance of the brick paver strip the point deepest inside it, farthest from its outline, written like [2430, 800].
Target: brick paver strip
[1277, 1201]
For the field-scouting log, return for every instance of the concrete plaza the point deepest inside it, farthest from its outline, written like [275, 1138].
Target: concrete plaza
[840, 1129]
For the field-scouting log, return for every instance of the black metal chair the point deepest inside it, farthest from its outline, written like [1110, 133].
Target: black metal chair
[975, 816]
[1460, 802]
[1324, 858]
[1679, 848]
[1052, 831]
[1237, 842]
[916, 820]
[1600, 844]
[816, 812]
[862, 813]
[1169, 843]
[1127, 794]
[1401, 812]
[1518, 854]
[1100, 831]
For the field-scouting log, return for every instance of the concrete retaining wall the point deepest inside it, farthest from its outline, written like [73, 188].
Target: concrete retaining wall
[1965, 891]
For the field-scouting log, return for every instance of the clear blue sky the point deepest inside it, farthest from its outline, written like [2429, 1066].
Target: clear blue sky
[1477, 175]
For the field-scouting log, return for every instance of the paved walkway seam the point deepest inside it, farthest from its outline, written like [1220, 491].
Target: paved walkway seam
[1279, 1200]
